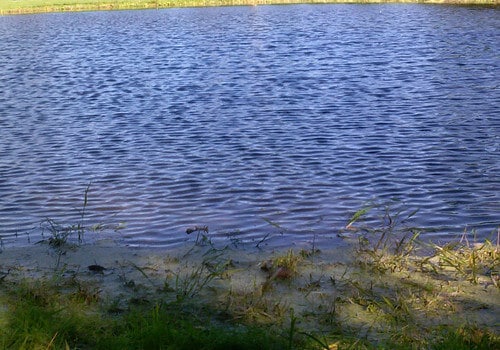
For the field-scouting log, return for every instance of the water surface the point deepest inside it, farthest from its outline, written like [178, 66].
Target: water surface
[268, 121]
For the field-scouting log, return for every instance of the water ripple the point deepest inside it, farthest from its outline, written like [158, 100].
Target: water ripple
[258, 122]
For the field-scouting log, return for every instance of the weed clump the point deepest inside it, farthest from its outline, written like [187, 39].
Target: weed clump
[477, 263]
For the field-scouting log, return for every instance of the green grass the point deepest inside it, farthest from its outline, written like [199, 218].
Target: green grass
[39, 316]
[38, 6]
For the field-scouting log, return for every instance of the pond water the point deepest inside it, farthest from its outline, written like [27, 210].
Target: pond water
[268, 122]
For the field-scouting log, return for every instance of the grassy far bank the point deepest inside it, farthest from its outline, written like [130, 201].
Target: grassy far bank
[40, 6]
[383, 290]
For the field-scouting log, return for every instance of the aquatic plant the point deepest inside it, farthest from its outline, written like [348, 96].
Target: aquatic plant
[59, 233]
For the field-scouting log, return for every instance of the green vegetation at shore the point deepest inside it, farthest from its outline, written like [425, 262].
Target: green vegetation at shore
[40, 6]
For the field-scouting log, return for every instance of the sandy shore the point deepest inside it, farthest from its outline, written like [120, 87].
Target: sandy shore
[242, 281]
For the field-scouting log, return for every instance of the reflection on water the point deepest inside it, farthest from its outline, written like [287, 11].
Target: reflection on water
[250, 120]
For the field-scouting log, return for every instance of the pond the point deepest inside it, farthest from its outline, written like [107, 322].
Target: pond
[271, 123]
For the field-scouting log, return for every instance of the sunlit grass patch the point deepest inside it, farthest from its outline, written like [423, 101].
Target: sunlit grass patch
[476, 262]
[29, 6]
[466, 338]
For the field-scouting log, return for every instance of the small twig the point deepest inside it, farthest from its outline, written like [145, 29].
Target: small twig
[262, 240]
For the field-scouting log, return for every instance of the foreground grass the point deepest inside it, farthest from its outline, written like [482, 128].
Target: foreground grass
[45, 318]
[38, 6]
[40, 316]
[386, 293]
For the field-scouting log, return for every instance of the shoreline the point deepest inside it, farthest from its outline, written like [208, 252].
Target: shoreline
[20, 7]
[365, 290]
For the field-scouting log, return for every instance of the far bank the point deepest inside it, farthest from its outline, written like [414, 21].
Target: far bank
[10, 7]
